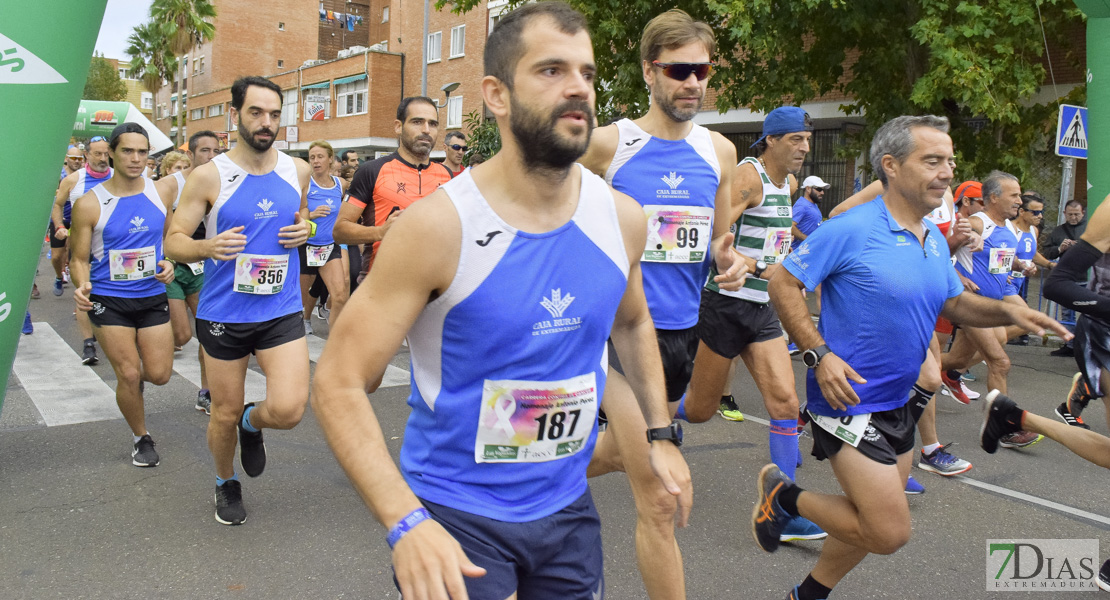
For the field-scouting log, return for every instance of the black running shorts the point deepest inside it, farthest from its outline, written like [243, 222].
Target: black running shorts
[335, 254]
[1092, 351]
[232, 341]
[889, 435]
[677, 347]
[55, 242]
[728, 325]
[136, 313]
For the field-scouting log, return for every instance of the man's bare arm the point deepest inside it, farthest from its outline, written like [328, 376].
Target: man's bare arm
[57, 212]
[347, 229]
[603, 146]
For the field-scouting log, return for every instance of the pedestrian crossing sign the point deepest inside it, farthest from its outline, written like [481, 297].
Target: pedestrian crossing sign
[1071, 132]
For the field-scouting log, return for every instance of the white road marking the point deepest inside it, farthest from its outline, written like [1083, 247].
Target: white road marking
[63, 390]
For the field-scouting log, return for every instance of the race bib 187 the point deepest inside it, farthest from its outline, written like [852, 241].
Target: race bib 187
[535, 421]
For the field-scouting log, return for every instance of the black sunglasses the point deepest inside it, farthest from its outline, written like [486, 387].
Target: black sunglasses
[681, 71]
[457, 147]
[1035, 212]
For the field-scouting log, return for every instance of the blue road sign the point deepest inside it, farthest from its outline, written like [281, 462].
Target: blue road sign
[1071, 132]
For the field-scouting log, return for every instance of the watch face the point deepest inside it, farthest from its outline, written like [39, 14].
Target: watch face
[809, 358]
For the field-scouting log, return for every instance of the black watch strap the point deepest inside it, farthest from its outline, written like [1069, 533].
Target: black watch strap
[812, 357]
[671, 433]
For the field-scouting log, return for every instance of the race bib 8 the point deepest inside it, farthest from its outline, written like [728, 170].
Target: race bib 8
[260, 274]
[1001, 260]
[133, 264]
[535, 421]
[317, 255]
[849, 429]
[776, 244]
[677, 234]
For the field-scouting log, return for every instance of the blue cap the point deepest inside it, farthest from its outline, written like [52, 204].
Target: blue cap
[785, 119]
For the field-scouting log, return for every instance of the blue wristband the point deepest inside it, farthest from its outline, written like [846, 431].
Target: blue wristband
[403, 526]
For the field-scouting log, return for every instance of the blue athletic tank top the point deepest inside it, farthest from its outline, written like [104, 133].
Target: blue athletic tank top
[262, 282]
[990, 268]
[1026, 250]
[332, 197]
[509, 363]
[126, 244]
[85, 182]
[676, 183]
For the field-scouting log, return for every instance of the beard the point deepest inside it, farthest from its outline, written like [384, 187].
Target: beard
[539, 142]
[813, 197]
[667, 105]
[411, 144]
[248, 137]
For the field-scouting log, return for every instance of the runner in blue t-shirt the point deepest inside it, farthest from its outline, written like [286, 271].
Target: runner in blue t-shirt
[807, 213]
[120, 276]
[887, 276]
[321, 255]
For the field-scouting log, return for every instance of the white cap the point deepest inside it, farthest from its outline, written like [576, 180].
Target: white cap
[815, 181]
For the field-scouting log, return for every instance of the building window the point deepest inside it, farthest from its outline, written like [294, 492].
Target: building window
[215, 110]
[288, 108]
[161, 111]
[196, 114]
[496, 11]
[185, 67]
[147, 101]
[435, 45]
[281, 63]
[458, 41]
[281, 26]
[351, 98]
[454, 112]
[198, 65]
[385, 14]
[173, 108]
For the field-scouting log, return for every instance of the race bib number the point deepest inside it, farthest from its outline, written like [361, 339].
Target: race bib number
[1001, 261]
[535, 421]
[260, 274]
[777, 244]
[197, 268]
[677, 234]
[849, 429]
[132, 265]
[318, 255]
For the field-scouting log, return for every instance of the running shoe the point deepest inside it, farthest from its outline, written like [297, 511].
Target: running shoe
[799, 529]
[308, 327]
[1067, 417]
[252, 450]
[914, 488]
[955, 388]
[1021, 340]
[793, 595]
[143, 454]
[1002, 418]
[88, 353]
[229, 503]
[1064, 351]
[1019, 439]
[204, 402]
[728, 409]
[793, 348]
[57, 287]
[35, 294]
[65, 274]
[942, 462]
[28, 328]
[969, 376]
[768, 518]
[322, 311]
[970, 393]
[1103, 580]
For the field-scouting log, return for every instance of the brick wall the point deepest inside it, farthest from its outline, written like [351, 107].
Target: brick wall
[334, 36]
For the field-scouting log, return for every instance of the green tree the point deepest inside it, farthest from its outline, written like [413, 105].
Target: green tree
[151, 58]
[185, 23]
[484, 137]
[978, 62]
[104, 82]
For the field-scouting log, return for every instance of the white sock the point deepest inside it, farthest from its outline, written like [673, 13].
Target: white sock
[931, 448]
[136, 438]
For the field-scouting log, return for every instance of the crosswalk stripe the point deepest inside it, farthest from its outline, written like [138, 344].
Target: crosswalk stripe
[394, 376]
[63, 390]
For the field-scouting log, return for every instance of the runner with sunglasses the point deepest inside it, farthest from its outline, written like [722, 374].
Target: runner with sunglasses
[455, 146]
[681, 173]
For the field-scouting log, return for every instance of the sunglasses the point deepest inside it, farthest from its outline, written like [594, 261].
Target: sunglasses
[682, 71]
[75, 158]
[1035, 212]
[457, 147]
[98, 138]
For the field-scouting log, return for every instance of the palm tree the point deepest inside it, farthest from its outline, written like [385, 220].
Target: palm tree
[151, 59]
[185, 23]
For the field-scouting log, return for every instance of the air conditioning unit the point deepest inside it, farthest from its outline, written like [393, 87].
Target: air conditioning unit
[380, 47]
[312, 63]
[356, 49]
[344, 53]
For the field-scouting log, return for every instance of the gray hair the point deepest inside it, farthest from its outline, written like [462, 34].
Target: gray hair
[895, 138]
[992, 185]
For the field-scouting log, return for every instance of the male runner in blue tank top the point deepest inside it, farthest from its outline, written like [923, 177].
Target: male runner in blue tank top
[673, 168]
[120, 276]
[251, 200]
[886, 257]
[538, 261]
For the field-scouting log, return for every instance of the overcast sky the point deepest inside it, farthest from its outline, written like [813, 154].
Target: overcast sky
[120, 18]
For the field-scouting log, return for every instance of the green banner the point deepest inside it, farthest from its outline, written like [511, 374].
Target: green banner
[42, 75]
[1098, 111]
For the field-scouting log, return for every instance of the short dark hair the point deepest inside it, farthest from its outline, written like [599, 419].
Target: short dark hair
[1029, 197]
[403, 107]
[122, 128]
[1077, 203]
[454, 134]
[346, 154]
[239, 89]
[505, 44]
[200, 134]
[761, 146]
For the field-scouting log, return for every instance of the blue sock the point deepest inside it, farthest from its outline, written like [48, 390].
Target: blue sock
[234, 477]
[247, 420]
[680, 413]
[784, 445]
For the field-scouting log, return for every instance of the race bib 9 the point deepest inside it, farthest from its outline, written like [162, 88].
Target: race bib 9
[133, 264]
[776, 244]
[260, 274]
[317, 255]
[677, 234]
[1001, 260]
[535, 421]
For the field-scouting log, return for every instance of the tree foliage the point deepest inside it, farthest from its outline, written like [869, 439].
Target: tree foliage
[484, 137]
[151, 57]
[184, 23]
[104, 82]
[978, 62]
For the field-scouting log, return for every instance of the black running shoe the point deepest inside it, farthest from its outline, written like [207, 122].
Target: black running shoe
[143, 454]
[88, 354]
[1002, 418]
[252, 451]
[204, 402]
[229, 503]
[768, 517]
[1103, 580]
[1066, 416]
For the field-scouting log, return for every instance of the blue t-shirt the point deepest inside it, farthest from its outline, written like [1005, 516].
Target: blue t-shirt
[126, 244]
[881, 294]
[807, 217]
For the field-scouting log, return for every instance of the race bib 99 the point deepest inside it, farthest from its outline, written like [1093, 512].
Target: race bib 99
[677, 234]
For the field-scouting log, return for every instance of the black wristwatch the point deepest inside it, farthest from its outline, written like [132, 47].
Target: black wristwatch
[812, 357]
[760, 267]
[671, 433]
